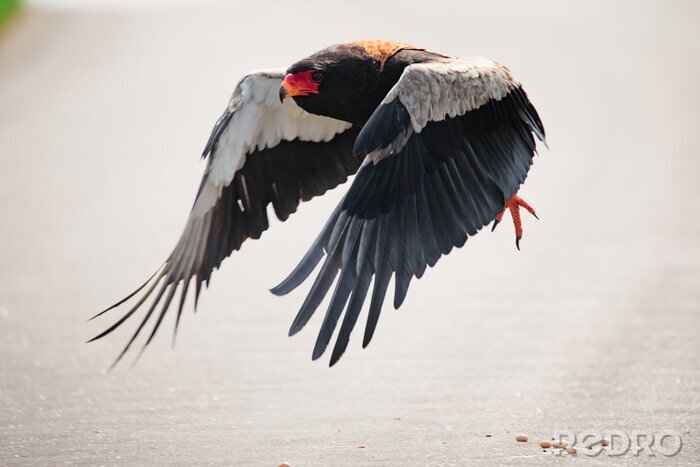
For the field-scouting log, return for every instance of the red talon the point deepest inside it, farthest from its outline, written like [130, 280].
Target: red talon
[513, 205]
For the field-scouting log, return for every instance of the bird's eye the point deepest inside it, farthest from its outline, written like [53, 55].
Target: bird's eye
[316, 76]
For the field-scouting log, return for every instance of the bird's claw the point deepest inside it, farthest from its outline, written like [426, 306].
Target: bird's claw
[513, 205]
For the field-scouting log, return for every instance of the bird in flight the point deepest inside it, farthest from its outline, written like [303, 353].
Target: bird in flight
[440, 145]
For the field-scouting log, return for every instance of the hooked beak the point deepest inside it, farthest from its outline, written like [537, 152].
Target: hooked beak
[297, 85]
[286, 90]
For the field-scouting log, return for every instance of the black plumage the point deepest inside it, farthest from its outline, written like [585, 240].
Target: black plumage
[406, 210]
[283, 175]
[441, 144]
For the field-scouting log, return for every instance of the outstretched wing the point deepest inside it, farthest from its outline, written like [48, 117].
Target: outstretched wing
[261, 151]
[450, 143]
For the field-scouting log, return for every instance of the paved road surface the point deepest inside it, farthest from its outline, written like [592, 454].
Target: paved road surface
[594, 325]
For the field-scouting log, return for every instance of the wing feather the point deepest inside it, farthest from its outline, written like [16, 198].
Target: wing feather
[450, 143]
[260, 152]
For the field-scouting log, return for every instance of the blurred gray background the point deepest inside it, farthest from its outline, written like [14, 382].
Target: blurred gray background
[104, 110]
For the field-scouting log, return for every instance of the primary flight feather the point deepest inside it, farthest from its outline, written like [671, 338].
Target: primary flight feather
[442, 145]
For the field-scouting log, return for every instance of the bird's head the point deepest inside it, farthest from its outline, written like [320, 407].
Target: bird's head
[340, 81]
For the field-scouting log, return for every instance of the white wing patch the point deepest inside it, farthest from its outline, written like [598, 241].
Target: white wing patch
[432, 91]
[259, 121]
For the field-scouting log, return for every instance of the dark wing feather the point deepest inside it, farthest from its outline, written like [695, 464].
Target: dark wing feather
[283, 175]
[413, 205]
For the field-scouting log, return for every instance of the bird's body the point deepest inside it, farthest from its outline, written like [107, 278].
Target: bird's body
[372, 66]
[442, 145]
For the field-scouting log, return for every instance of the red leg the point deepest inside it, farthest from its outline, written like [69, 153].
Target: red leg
[513, 205]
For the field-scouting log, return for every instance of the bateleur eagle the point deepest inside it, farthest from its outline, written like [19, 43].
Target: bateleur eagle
[442, 145]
